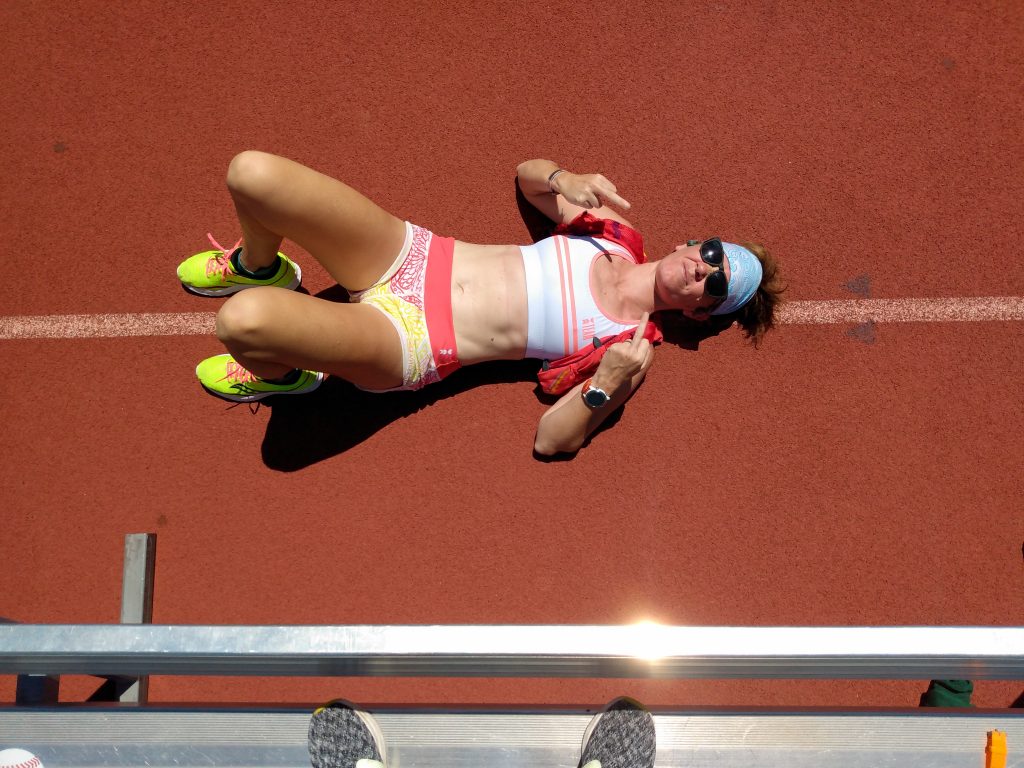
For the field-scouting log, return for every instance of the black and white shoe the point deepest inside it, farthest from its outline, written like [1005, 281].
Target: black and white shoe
[343, 736]
[620, 736]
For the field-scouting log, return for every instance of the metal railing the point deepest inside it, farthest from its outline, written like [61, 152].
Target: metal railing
[86, 736]
[639, 651]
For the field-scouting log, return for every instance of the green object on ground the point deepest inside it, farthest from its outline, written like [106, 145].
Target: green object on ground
[948, 693]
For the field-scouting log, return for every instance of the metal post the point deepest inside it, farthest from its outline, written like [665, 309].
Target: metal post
[137, 599]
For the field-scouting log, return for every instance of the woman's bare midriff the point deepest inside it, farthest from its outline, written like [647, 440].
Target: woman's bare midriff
[489, 302]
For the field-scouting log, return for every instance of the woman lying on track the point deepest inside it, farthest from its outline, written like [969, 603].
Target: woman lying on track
[423, 305]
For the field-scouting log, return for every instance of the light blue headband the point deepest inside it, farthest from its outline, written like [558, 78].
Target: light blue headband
[744, 280]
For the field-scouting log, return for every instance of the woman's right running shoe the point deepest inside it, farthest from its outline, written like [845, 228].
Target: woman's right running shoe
[222, 376]
[343, 736]
[215, 273]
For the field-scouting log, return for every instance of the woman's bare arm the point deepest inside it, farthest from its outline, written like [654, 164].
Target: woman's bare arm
[568, 194]
[566, 425]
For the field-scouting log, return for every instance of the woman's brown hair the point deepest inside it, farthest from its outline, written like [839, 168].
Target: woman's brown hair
[757, 316]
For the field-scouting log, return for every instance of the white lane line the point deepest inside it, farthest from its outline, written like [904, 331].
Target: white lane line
[105, 326]
[952, 310]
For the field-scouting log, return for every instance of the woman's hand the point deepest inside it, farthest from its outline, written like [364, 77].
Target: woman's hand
[622, 361]
[562, 195]
[587, 190]
[564, 427]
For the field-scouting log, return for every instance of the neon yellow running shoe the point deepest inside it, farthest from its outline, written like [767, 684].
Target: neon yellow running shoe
[215, 273]
[220, 375]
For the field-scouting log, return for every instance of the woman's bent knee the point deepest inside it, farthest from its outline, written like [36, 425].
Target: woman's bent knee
[246, 316]
[251, 174]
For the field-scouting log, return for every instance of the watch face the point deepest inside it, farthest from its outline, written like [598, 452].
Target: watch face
[595, 397]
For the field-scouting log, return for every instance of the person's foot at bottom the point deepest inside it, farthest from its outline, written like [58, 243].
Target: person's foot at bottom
[343, 736]
[620, 736]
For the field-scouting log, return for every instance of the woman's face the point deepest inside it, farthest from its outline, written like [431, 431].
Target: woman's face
[679, 282]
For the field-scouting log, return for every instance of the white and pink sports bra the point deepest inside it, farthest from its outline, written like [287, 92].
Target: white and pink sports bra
[562, 315]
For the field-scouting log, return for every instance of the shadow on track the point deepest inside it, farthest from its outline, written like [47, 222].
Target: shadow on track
[336, 417]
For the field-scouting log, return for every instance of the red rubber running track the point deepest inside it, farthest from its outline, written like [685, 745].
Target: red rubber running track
[853, 471]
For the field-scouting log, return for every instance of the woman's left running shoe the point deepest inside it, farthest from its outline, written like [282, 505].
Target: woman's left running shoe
[217, 273]
[343, 736]
[220, 375]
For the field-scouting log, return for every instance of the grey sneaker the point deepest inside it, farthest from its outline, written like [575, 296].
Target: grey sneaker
[343, 736]
[620, 736]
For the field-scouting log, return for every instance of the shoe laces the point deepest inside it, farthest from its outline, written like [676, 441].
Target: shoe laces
[237, 373]
[220, 265]
[254, 406]
[240, 376]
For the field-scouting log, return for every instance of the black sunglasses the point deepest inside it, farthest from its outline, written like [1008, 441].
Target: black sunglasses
[712, 253]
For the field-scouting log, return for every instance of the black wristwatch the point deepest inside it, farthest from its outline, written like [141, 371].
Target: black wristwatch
[594, 397]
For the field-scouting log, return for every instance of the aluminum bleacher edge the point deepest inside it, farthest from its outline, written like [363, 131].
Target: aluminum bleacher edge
[125, 735]
[130, 732]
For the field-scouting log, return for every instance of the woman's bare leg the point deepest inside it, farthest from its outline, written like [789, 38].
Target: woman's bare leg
[271, 331]
[350, 235]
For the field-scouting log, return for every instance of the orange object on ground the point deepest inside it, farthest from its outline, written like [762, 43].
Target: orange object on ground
[995, 750]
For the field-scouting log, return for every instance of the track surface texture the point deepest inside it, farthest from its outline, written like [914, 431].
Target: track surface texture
[846, 473]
